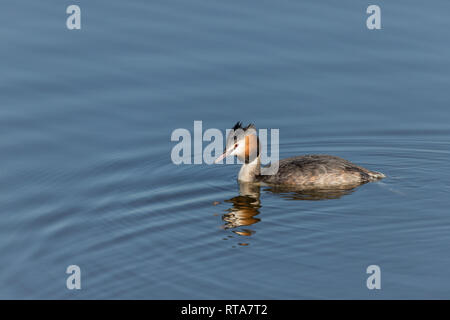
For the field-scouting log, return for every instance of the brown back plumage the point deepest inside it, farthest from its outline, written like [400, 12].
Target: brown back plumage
[320, 171]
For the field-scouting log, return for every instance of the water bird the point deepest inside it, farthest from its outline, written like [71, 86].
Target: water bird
[313, 171]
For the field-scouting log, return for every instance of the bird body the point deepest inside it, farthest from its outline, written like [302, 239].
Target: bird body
[316, 171]
[319, 171]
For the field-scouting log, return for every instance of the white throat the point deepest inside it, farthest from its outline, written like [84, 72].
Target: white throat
[249, 171]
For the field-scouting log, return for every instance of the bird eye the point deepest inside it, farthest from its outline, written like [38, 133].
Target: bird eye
[235, 146]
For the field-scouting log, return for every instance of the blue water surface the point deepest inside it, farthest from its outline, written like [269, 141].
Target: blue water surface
[86, 176]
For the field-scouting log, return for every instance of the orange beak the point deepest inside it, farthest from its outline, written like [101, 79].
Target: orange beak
[225, 154]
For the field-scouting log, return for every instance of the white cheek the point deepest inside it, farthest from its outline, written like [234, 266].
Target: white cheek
[240, 151]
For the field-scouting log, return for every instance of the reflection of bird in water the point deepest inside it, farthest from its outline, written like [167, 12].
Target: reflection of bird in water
[293, 193]
[305, 172]
[246, 206]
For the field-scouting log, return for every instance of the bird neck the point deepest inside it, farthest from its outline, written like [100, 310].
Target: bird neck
[250, 170]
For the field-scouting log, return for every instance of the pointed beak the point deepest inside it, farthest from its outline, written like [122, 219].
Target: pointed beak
[225, 154]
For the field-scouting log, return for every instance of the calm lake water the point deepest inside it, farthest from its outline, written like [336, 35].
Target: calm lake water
[86, 176]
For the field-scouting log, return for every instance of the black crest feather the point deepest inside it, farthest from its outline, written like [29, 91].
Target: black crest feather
[238, 125]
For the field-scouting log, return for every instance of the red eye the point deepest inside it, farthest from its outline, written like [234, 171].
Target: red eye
[235, 146]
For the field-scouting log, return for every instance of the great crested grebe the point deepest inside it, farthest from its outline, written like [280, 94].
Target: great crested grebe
[314, 171]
